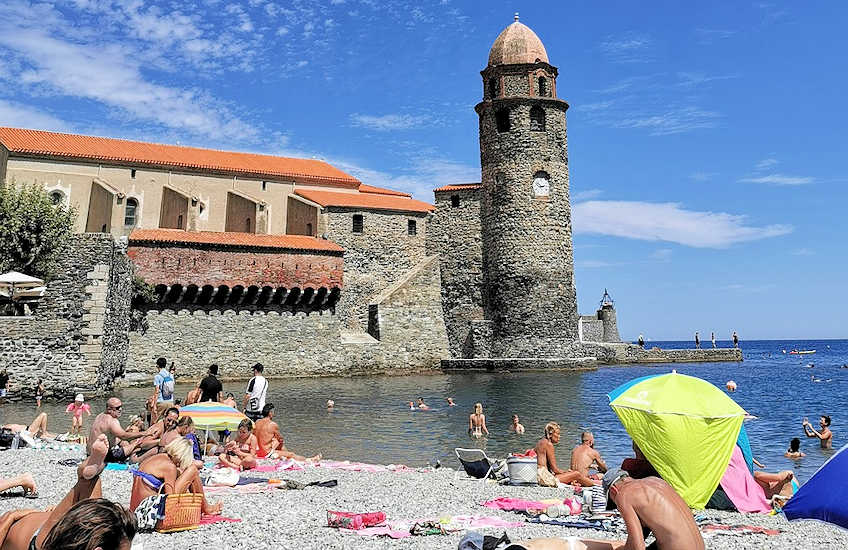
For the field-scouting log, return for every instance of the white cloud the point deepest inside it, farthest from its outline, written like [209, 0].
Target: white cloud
[630, 47]
[803, 252]
[779, 179]
[702, 177]
[708, 36]
[23, 116]
[592, 264]
[767, 163]
[388, 122]
[672, 121]
[668, 222]
[695, 79]
[586, 195]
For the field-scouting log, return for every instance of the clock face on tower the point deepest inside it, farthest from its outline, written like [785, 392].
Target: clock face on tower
[541, 185]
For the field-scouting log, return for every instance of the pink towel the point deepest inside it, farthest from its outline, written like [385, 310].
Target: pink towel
[741, 487]
[206, 519]
[508, 503]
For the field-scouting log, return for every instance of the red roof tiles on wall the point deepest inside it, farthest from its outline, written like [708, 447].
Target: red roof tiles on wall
[459, 187]
[136, 153]
[366, 201]
[363, 188]
[245, 240]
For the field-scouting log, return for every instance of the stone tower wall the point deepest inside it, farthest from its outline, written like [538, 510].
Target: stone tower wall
[454, 234]
[527, 248]
[608, 317]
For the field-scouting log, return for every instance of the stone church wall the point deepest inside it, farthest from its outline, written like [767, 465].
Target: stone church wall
[454, 234]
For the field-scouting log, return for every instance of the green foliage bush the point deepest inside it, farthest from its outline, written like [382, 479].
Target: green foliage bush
[33, 230]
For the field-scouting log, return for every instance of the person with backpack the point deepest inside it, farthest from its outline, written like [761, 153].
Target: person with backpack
[254, 396]
[163, 386]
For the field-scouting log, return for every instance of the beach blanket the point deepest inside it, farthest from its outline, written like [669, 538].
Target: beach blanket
[249, 489]
[741, 488]
[508, 503]
[248, 480]
[400, 529]
[207, 519]
[712, 529]
[572, 521]
[117, 466]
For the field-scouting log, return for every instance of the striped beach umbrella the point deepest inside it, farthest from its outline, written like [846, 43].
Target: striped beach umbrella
[213, 416]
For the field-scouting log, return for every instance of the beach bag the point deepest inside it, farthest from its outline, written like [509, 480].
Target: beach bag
[167, 388]
[351, 520]
[182, 513]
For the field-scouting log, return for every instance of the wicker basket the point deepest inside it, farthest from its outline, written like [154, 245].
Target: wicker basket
[522, 471]
[182, 512]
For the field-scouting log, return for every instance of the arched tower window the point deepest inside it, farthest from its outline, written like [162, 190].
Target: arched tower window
[131, 212]
[541, 184]
[494, 88]
[57, 197]
[543, 86]
[537, 119]
[502, 119]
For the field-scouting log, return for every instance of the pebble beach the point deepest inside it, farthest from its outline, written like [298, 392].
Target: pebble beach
[280, 518]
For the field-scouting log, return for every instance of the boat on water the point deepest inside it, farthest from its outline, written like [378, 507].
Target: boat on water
[802, 351]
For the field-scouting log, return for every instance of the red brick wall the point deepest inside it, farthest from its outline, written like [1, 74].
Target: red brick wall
[246, 267]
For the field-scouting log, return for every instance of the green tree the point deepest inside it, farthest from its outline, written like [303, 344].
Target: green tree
[33, 229]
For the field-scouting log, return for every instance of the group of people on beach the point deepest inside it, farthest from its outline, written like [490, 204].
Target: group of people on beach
[168, 454]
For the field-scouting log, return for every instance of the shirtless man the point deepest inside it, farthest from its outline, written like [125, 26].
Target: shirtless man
[152, 444]
[193, 396]
[106, 423]
[584, 456]
[825, 435]
[270, 440]
[170, 426]
[651, 504]
[516, 425]
[548, 471]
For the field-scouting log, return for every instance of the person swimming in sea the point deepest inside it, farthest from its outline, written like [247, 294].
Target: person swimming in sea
[477, 422]
[794, 450]
[422, 405]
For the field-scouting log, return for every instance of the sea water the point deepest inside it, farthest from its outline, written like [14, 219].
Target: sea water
[371, 420]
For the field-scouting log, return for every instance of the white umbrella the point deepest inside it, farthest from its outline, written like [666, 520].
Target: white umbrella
[26, 285]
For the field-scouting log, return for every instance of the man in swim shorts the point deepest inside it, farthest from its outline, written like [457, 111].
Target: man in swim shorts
[548, 473]
[107, 423]
[584, 456]
[652, 505]
[270, 441]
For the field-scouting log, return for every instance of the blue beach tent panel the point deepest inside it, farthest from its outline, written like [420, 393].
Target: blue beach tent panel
[613, 395]
[823, 497]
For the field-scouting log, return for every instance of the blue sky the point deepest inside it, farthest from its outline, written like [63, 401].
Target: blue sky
[706, 141]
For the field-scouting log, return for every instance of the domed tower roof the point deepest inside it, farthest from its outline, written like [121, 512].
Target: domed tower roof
[517, 44]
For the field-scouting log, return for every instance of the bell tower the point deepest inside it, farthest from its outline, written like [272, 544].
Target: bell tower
[529, 294]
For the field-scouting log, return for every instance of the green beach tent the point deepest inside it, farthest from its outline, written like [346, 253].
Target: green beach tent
[685, 426]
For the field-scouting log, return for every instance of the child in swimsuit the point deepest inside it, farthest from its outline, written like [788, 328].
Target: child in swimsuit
[78, 407]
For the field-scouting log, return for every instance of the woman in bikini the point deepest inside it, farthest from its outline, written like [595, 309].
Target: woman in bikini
[171, 472]
[241, 450]
[82, 516]
[477, 422]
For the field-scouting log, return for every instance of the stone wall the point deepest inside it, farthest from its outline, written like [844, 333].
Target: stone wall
[454, 234]
[374, 259]
[411, 330]
[76, 338]
[591, 329]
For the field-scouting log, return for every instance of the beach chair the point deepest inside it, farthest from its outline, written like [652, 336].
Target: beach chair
[476, 464]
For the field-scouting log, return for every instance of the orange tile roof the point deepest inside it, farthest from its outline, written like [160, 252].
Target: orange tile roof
[363, 188]
[250, 240]
[459, 187]
[366, 201]
[137, 153]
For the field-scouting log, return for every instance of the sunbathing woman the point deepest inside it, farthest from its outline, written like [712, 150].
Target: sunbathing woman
[173, 472]
[242, 449]
[477, 422]
[548, 473]
[38, 427]
[82, 516]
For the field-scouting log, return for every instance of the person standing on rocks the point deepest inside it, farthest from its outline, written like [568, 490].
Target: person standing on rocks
[712, 339]
[210, 387]
[735, 339]
[254, 395]
[697, 340]
[641, 341]
[4, 385]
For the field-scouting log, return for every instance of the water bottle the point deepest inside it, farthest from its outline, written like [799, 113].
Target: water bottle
[16, 441]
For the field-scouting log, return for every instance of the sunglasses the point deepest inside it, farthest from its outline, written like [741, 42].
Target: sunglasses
[118, 408]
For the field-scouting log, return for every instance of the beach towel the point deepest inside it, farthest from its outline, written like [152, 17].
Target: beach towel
[247, 480]
[741, 488]
[508, 503]
[573, 522]
[207, 519]
[382, 531]
[465, 522]
[117, 466]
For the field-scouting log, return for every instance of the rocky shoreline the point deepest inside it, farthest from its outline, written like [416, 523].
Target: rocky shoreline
[298, 518]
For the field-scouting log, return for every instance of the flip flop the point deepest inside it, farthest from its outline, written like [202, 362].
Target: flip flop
[30, 494]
